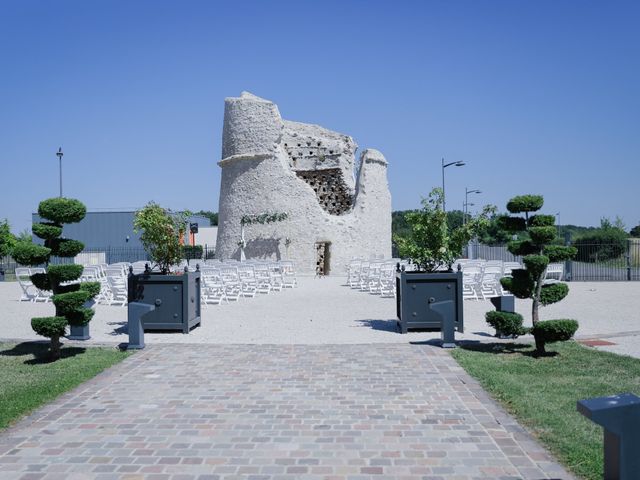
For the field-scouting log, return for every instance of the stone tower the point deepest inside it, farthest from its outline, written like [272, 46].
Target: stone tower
[336, 209]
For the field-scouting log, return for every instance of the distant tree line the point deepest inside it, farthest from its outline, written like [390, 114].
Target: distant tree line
[606, 242]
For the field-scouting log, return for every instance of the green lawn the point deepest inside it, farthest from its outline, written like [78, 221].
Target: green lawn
[542, 392]
[28, 379]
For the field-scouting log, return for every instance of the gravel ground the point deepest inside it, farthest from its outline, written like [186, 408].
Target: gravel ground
[325, 311]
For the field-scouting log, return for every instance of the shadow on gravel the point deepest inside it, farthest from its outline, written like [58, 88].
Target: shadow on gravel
[121, 329]
[40, 352]
[523, 349]
[383, 325]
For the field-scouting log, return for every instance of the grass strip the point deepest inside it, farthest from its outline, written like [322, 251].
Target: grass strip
[28, 379]
[541, 392]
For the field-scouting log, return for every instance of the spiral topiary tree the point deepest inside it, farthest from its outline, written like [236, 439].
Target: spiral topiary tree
[537, 252]
[69, 296]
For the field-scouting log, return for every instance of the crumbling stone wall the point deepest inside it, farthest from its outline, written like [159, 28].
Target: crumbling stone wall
[331, 190]
[275, 165]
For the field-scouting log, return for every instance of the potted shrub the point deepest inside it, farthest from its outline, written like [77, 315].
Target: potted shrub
[433, 248]
[175, 293]
[537, 250]
[71, 298]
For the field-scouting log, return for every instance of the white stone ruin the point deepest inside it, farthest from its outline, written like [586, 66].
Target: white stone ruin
[336, 209]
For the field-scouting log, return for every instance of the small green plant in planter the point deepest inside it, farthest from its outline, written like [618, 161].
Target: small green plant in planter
[162, 231]
[537, 252]
[432, 297]
[176, 297]
[430, 244]
[69, 297]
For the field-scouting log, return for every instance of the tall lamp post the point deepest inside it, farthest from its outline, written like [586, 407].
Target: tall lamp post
[445, 165]
[466, 203]
[59, 154]
[558, 223]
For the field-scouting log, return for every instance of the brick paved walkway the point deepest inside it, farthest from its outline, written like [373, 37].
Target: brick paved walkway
[181, 412]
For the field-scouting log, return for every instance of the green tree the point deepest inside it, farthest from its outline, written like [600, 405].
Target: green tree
[162, 232]
[212, 216]
[493, 232]
[608, 242]
[455, 219]
[7, 239]
[69, 296]
[430, 244]
[537, 252]
[635, 231]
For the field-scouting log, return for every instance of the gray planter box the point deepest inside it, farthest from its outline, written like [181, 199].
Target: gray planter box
[176, 298]
[416, 290]
[504, 303]
[81, 332]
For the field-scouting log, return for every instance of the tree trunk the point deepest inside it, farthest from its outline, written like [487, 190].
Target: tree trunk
[55, 347]
[540, 346]
[536, 299]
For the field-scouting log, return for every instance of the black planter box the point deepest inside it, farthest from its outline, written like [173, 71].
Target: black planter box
[176, 298]
[416, 290]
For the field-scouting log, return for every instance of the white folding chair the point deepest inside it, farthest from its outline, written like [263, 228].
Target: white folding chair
[288, 274]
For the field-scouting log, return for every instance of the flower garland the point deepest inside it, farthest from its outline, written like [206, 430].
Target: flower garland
[263, 218]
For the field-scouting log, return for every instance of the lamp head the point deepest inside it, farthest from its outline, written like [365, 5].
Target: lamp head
[459, 164]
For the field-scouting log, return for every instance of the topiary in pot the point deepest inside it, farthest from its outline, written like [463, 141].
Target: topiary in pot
[537, 252]
[506, 323]
[70, 298]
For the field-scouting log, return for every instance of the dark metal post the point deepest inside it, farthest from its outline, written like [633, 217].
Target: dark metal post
[620, 417]
[445, 309]
[628, 259]
[568, 264]
[444, 206]
[445, 165]
[59, 154]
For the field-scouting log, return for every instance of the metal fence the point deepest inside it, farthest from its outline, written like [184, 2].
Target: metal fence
[595, 262]
[109, 255]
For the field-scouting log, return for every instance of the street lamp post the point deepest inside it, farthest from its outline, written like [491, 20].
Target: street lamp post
[445, 165]
[465, 209]
[466, 203]
[59, 154]
[558, 223]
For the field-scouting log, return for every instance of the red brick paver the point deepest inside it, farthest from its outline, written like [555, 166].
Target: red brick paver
[345, 412]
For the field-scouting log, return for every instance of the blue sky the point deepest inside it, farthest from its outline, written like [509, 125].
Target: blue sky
[536, 97]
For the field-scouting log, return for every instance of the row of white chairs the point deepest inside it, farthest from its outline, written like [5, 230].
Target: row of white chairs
[31, 293]
[376, 276]
[481, 278]
[230, 281]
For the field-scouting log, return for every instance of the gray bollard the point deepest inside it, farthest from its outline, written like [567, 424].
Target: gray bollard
[620, 417]
[136, 331]
[447, 327]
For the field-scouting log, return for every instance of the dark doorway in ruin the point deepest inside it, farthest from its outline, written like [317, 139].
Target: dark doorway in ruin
[323, 258]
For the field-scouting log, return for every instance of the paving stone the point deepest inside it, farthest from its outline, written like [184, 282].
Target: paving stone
[207, 412]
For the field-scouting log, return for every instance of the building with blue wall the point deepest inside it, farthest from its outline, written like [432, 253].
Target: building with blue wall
[109, 235]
